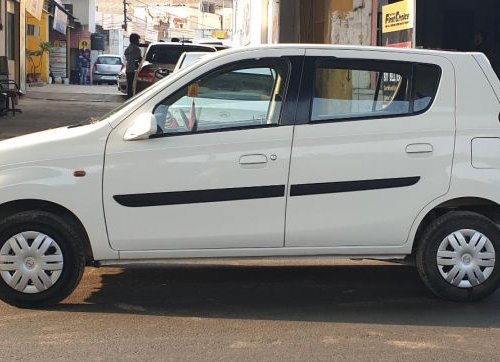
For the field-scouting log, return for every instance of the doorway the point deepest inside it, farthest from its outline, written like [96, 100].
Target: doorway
[461, 25]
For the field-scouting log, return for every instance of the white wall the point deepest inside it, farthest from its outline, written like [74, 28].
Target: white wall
[2, 32]
[250, 22]
[353, 27]
[116, 41]
[84, 11]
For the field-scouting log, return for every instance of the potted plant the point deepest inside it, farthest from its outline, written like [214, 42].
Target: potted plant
[35, 58]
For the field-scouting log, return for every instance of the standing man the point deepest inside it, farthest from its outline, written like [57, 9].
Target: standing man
[133, 56]
[84, 64]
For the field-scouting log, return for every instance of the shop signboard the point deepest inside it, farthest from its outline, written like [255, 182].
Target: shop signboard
[35, 7]
[398, 21]
[398, 16]
[60, 20]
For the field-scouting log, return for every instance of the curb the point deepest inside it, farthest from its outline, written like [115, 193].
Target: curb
[77, 97]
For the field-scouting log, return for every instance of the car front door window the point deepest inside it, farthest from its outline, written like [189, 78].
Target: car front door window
[226, 99]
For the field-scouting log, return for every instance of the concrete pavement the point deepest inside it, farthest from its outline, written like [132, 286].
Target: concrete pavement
[254, 311]
[42, 114]
[71, 92]
[58, 105]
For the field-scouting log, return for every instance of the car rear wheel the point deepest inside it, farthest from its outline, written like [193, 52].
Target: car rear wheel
[41, 259]
[457, 256]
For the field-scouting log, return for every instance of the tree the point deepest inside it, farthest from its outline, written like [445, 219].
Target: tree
[35, 57]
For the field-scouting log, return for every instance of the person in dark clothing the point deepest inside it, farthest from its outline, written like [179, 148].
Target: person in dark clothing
[479, 42]
[84, 64]
[133, 56]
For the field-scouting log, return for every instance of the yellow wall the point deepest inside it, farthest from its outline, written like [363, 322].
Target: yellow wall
[32, 43]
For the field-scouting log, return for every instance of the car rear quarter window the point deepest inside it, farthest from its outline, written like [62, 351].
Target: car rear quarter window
[425, 84]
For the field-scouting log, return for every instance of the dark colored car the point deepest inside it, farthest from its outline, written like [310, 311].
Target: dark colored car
[160, 60]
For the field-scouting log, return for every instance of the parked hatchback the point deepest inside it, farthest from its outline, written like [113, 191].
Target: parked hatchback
[297, 150]
[106, 69]
[160, 60]
[121, 81]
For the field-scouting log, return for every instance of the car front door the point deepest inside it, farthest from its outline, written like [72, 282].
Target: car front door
[215, 175]
[372, 147]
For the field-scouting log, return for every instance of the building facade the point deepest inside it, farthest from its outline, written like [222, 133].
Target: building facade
[37, 33]
[462, 25]
[162, 20]
[12, 38]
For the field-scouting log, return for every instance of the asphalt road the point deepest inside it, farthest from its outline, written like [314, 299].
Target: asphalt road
[40, 114]
[253, 310]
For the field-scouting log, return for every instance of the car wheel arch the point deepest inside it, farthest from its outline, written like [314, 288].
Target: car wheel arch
[483, 206]
[23, 205]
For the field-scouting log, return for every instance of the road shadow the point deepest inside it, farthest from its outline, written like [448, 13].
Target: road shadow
[382, 294]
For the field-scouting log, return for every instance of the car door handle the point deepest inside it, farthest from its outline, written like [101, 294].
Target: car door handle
[419, 148]
[253, 159]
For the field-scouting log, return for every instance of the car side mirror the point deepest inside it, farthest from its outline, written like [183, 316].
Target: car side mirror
[143, 127]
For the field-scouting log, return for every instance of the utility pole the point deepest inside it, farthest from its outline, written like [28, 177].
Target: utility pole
[222, 18]
[124, 26]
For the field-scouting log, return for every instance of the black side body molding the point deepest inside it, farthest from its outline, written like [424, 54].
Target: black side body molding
[349, 186]
[200, 196]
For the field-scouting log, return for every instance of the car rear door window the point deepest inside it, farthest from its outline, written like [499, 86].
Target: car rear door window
[344, 91]
[359, 89]
[240, 96]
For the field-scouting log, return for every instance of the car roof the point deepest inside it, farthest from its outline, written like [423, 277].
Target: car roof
[109, 55]
[444, 53]
[195, 53]
[177, 44]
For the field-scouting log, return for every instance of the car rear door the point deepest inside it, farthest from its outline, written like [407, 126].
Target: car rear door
[372, 146]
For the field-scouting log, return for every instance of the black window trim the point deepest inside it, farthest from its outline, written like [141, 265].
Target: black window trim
[214, 130]
[289, 103]
[306, 96]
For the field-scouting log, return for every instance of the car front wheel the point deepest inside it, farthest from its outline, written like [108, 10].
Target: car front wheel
[457, 257]
[41, 259]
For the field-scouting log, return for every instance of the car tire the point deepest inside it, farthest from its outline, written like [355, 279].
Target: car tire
[46, 252]
[457, 258]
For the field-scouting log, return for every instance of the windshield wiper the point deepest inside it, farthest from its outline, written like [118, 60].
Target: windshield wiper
[91, 120]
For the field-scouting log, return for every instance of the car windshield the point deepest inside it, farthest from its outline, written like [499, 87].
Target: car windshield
[169, 54]
[109, 60]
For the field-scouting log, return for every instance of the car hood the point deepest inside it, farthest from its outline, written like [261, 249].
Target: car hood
[53, 144]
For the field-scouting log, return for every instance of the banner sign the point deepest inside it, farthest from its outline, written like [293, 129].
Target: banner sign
[398, 16]
[406, 44]
[35, 7]
[60, 20]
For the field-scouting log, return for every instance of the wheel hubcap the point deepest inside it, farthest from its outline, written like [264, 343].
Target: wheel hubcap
[31, 262]
[466, 258]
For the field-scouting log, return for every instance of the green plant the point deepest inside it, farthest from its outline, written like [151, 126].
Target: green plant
[35, 57]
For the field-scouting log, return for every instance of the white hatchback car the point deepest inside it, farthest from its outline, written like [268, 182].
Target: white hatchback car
[260, 152]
